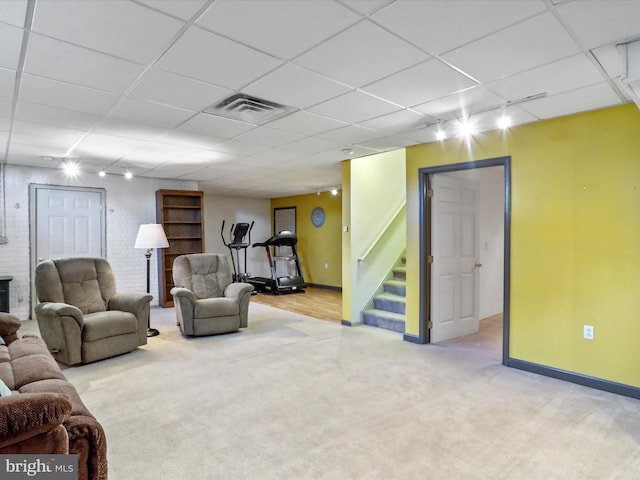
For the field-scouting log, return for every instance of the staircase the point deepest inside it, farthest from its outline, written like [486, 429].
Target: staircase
[389, 307]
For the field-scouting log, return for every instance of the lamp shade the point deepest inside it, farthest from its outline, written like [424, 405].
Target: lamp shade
[151, 235]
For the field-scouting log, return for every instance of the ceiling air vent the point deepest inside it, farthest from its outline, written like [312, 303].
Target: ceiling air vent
[249, 109]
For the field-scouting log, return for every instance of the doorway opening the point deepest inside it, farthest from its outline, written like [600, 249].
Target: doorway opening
[433, 293]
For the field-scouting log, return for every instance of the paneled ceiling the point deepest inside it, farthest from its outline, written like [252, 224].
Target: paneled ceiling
[132, 85]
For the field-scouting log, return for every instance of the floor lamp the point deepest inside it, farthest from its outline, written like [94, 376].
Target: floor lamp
[150, 236]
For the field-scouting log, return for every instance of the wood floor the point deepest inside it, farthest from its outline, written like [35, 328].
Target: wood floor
[322, 303]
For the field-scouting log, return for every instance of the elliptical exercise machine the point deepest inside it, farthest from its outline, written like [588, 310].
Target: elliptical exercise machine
[237, 234]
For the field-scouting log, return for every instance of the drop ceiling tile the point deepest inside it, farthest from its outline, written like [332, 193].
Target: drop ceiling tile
[123, 128]
[295, 86]
[268, 136]
[474, 99]
[211, 58]
[206, 124]
[58, 143]
[112, 27]
[420, 84]
[20, 153]
[349, 135]
[360, 55]
[206, 157]
[183, 9]
[610, 58]
[397, 121]
[514, 49]
[156, 153]
[311, 145]
[306, 123]
[238, 149]
[178, 91]
[10, 45]
[188, 139]
[13, 12]
[65, 95]
[173, 170]
[430, 25]
[60, 117]
[354, 107]
[54, 59]
[99, 146]
[305, 23]
[67, 135]
[583, 99]
[367, 7]
[273, 157]
[390, 142]
[7, 82]
[149, 113]
[4, 121]
[600, 22]
[566, 74]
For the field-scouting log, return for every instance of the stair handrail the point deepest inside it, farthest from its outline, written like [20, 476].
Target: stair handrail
[383, 231]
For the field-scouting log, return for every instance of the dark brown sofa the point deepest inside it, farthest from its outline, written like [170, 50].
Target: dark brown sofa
[44, 413]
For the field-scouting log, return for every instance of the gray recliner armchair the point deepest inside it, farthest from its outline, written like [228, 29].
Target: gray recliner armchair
[81, 316]
[207, 301]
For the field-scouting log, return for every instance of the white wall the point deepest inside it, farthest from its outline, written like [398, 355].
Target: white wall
[239, 210]
[128, 204]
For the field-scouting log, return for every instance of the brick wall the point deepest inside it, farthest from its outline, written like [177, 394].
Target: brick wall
[129, 203]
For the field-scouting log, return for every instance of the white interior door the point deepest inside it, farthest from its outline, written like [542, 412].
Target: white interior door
[69, 222]
[454, 271]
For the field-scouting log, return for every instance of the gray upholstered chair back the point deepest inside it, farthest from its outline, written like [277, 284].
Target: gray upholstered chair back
[86, 283]
[205, 274]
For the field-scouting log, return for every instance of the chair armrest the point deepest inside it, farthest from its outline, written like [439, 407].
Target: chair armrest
[9, 326]
[185, 293]
[237, 290]
[51, 310]
[26, 415]
[129, 301]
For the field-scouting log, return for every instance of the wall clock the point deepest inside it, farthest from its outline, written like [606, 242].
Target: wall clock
[318, 216]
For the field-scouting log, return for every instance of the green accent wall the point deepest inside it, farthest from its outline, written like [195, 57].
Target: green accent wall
[575, 238]
[318, 247]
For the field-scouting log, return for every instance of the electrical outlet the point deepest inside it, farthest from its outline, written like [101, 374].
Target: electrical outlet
[326, 266]
[588, 332]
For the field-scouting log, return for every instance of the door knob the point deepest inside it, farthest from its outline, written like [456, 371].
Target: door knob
[478, 265]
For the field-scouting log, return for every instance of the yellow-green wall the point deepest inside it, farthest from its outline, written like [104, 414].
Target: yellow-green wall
[346, 241]
[575, 238]
[317, 246]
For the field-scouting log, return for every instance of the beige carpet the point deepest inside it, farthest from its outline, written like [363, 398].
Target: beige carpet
[293, 397]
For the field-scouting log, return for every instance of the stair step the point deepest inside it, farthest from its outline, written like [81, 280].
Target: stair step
[396, 287]
[400, 273]
[390, 303]
[382, 319]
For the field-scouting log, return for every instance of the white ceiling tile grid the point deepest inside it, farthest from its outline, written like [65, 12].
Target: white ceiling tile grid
[130, 84]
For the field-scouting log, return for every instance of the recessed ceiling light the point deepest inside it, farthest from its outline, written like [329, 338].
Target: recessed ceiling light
[467, 129]
[102, 173]
[504, 122]
[71, 168]
[128, 175]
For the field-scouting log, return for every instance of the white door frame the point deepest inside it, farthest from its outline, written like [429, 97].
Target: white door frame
[424, 177]
[33, 188]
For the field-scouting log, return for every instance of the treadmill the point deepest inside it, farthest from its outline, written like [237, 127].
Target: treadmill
[293, 282]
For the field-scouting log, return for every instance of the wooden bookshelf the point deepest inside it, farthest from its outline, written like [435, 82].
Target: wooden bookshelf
[181, 213]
